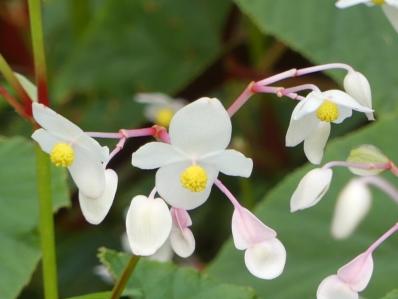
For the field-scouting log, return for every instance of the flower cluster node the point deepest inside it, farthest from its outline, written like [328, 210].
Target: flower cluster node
[62, 155]
[164, 116]
[328, 111]
[194, 178]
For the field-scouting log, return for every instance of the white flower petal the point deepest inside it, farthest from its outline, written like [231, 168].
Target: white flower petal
[95, 209]
[357, 86]
[156, 154]
[91, 145]
[309, 105]
[352, 206]
[311, 189]
[201, 127]
[248, 230]
[182, 241]
[169, 186]
[315, 143]
[230, 162]
[358, 272]
[55, 123]
[391, 13]
[344, 113]
[148, 225]
[29, 87]
[266, 260]
[344, 99]
[87, 173]
[333, 288]
[348, 3]
[299, 129]
[393, 3]
[163, 254]
[45, 140]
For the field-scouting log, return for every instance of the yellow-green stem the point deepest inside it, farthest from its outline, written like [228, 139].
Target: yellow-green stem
[46, 225]
[123, 279]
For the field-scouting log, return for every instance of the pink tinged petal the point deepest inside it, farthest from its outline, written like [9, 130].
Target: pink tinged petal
[180, 218]
[163, 254]
[148, 225]
[357, 86]
[391, 13]
[230, 162]
[201, 127]
[344, 99]
[55, 123]
[182, 241]
[156, 154]
[299, 129]
[95, 209]
[358, 272]
[315, 143]
[333, 288]
[311, 189]
[248, 230]
[45, 140]
[352, 206]
[88, 174]
[169, 186]
[266, 260]
[308, 106]
[348, 3]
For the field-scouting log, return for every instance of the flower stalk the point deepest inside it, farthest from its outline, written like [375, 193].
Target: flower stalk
[123, 279]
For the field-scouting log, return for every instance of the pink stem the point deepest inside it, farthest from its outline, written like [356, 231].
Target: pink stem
[366, 166]
[383, 185]
[298, 88]
[228, 194]
[152, 194]
[118, 148]
[124, 133]
[241, 100]
[279, 91]
[385, 236]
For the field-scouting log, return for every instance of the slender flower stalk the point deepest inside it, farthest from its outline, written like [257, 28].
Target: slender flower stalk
[366, 166]
[384, 237]
[383, 185]
[123, 279]
[123, 133]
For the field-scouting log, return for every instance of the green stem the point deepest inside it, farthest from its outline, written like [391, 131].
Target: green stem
[39, 57]
[123, 279]
[46, 225]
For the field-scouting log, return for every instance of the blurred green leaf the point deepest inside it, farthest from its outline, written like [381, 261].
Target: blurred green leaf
[19, 213]
[142, 45]
[360, 36]
[154, 280]
[391, 295]
[102, 295]
[312, 253]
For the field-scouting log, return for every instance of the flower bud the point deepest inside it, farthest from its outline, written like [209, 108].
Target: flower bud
[366, 154]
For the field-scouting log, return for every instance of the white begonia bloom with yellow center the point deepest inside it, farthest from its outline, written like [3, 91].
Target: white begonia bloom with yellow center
[352, 206]
[160, 107]
[312, 117]
[189, 165]
[390, 8]
[84, 157]
[310, 190]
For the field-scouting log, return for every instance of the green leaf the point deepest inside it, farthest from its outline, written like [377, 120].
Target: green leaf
[312, 254]
[154, 280]
[19, 213]
[391, 295]
[102, 295]
[360, 36]
[140, 45]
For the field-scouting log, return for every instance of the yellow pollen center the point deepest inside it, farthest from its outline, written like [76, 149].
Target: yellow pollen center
[164, 116]
[62, 155]
[194, 178]
[328, 111]
[378, 2]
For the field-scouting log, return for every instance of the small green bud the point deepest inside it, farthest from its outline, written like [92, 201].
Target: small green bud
[367, 154]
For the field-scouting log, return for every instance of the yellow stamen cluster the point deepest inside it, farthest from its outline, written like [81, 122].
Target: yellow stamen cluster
[328, 111]
[62, 155]
[194, 178]
[378, 2]
[164, 116]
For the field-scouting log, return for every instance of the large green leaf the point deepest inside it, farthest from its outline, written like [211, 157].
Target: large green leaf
[391, 295]
[20, 251]
[155, 45]
[312, 253]
[359, 36]
[102, 295]
[154, 280]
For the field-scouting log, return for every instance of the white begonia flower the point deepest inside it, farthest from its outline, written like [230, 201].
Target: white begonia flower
[357, 86]
[148, 224]
[265, 255]
[349, 281]
[311, 188]
[390, 8]
[84, 157]
[189, 165]
[160, 107]
[181, 238]
[352, 205]
[311, 118]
